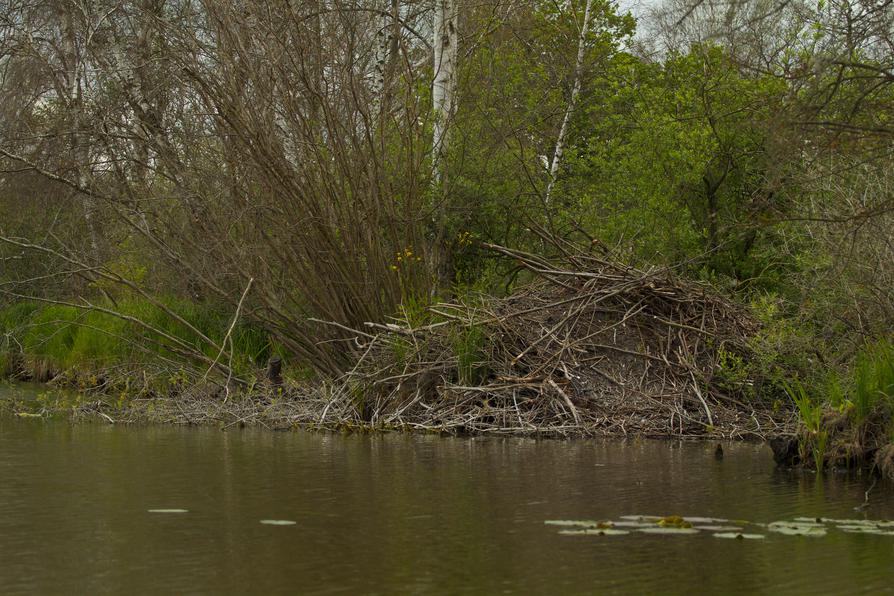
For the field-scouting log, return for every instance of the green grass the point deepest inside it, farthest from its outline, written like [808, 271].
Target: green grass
[50, 334]
[68, 338]
[812, 443]
[873, 380]
[865, 394]
[468, 344]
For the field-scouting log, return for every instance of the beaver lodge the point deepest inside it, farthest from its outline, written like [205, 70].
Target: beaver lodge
[590, 347]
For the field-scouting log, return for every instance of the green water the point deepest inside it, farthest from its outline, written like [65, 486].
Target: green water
[401, 514]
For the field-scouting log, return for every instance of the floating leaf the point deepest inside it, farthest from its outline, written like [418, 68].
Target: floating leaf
[797, 529]
[674, 521]
[739, 536]
[860, 530]
[642, 518]
[705, 520]
[795, 524]
[666, 530]
[852, 522]
[866, 530]
[632, 524]
[168, 510]
[594, 532]
[719, 528]
[278, 522]
[571, 522]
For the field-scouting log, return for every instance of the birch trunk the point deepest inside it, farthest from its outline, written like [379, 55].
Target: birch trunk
[387, 47]
[378, 82]
[572, 103]
[445, 42]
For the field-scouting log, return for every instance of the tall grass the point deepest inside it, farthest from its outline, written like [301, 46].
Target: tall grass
[812, 443]
[65, 338]
[873, 380]
[468, 344]
[865, 396]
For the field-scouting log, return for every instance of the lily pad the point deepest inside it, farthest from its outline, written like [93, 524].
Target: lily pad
[278, 522]
[795, 524]
[632, 524]
[850, 522]
[674, 521]
[668, 530]
[642, 518]
[705, 520]
[870, 523]
[571, 522]
[719, 528]
[739, 536]
[866, 530]
[594, 532]
[797, 529]
[168, 510]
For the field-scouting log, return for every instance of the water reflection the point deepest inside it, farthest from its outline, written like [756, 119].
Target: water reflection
[406, 514]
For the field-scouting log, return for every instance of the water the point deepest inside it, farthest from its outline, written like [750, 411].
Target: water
[401, 514]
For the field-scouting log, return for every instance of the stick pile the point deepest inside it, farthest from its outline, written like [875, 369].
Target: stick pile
[591, 347]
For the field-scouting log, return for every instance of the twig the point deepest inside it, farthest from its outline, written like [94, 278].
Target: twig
[567, 399]
[866, 495]
[226, 339]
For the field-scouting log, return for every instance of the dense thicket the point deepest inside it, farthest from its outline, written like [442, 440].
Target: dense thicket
[303, 168]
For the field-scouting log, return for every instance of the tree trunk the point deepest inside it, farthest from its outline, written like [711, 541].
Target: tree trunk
[445, 42]
[572, 103]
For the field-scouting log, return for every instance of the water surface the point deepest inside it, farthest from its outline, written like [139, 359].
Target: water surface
[406, 514]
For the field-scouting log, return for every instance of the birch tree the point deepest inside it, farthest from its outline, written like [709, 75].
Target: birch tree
[572, 103]
[445, 44]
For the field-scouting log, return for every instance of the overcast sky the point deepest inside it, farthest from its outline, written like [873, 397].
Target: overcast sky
[637, 6]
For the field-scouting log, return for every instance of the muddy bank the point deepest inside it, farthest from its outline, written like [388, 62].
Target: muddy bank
[321, 408]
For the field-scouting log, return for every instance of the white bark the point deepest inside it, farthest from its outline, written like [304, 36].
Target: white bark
[445, 43]
[387, 47]
[383, 29]
[572, 103]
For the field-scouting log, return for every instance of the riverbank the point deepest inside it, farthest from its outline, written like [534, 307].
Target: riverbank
[330, 408]
[588, 347]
